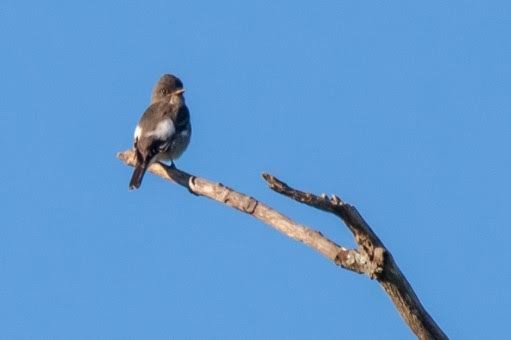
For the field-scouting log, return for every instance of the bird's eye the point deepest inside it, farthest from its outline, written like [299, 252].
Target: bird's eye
[163, 91]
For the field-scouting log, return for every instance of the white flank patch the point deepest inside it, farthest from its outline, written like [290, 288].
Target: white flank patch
[138, 131]
[163, 130]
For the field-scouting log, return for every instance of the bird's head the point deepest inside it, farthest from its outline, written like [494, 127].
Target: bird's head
[167, 86]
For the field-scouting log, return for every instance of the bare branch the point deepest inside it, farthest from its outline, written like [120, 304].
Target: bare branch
[347, 258]
[371, 257]
[385, 268]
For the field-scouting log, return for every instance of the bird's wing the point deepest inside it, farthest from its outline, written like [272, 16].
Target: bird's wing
[154, 132]
[182, 118]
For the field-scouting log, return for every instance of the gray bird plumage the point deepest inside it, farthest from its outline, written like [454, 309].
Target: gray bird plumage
[164, 130]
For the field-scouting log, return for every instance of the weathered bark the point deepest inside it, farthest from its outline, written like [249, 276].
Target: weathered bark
[371, 257]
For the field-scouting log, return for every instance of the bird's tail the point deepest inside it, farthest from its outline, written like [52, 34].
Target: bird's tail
[138, 174]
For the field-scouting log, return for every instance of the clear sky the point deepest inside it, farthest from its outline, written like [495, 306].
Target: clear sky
[400, 108]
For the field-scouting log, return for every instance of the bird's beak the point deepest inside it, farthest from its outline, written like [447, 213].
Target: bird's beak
[179, 91]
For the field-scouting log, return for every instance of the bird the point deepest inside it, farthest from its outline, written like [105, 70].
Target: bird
[164, 130]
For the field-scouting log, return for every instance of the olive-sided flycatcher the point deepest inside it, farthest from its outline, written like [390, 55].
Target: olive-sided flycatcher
[164, 131]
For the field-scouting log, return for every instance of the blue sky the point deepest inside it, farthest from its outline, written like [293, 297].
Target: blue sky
[402, 109]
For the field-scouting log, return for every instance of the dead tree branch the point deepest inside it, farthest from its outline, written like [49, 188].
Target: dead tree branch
[386, 270]
[371, 257]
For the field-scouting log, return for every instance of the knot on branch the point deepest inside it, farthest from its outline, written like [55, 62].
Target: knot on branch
[375, 255]
[352, 260]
